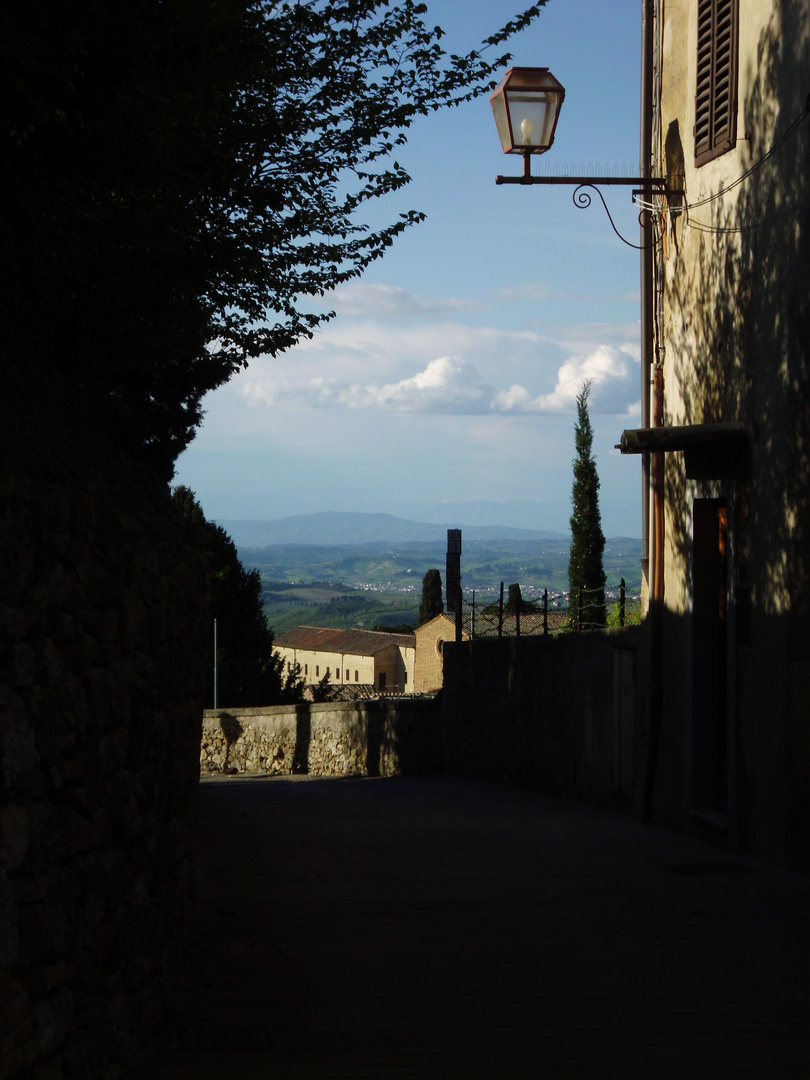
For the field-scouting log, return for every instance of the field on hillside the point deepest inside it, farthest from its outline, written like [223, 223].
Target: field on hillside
[370, 584]
[345, 609]
[535, 564]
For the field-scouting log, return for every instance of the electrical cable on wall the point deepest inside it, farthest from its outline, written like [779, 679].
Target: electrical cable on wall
[658, 208]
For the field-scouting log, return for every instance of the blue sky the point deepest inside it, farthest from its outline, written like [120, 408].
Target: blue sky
[450, 373]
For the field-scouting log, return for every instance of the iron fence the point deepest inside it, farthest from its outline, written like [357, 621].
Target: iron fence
[543, 612]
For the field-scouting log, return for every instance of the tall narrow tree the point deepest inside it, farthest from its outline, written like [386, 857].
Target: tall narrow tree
[514, 601]
[586, 575]
[432, 603]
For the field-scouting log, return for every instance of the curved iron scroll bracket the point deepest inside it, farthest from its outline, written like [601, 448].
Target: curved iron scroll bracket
[581, 198]
[645, 185]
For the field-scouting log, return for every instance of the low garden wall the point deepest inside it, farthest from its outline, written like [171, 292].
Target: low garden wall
[381, 737]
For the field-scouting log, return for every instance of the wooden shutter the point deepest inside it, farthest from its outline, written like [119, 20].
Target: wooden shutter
[716, 96]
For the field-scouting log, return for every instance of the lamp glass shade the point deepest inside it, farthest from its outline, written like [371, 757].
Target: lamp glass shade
[526, 105]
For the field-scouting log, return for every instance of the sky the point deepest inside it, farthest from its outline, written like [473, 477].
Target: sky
[445, 389]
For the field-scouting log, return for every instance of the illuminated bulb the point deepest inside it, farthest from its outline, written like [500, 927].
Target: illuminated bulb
[526, 130]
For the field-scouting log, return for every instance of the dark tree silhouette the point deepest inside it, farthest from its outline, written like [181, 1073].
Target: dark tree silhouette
[586, 575]
[180, 178]
[514, 601]
[432, 603]
[322, 689]
[249, 672]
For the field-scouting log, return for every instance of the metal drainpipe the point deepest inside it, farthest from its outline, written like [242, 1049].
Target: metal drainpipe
[655, 614]
[652, 465]
[645, 167]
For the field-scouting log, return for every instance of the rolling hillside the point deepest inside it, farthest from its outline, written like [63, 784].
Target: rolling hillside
[363, 583]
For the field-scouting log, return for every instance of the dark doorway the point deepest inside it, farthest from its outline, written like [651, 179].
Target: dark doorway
[709, 658]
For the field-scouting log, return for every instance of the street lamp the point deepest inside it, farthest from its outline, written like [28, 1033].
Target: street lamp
[526, 105]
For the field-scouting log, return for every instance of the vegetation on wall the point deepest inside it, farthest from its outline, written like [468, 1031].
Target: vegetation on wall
[182, 177]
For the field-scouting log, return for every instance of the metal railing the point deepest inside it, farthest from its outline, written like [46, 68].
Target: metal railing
[543, 612]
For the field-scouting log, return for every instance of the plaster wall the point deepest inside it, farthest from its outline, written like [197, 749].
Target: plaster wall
[733, 330]
[397, 664]
[314, 665]
[428, 666]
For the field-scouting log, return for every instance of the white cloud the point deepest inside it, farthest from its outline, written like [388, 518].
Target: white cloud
[611, 371]
[447, 385]
[450, 384]
[376, 353]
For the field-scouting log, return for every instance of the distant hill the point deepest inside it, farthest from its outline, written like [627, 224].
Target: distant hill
[396, 570]
[338, 529]
[550, 512]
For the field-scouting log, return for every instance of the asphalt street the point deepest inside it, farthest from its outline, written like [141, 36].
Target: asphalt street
[432, 927]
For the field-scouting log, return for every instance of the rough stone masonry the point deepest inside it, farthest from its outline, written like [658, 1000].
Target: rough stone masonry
[102, 630]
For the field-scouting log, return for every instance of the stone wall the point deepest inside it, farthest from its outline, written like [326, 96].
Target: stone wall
[564, 713]
[380, 737]
[103, 635]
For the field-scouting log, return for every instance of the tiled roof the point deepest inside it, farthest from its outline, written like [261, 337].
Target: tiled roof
[451, 622]
[354, 642]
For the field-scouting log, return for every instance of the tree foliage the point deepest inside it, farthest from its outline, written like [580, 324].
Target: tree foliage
[322, 689]
[432, 603]
[182, 177]
[249, 672]
[585, 568]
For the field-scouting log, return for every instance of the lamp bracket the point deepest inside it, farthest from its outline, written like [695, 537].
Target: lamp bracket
[646, 184]
[642, 185]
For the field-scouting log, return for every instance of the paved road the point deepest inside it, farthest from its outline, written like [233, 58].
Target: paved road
[404, 928]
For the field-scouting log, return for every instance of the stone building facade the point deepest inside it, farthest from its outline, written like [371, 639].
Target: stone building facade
[384, 662]
[430, 639]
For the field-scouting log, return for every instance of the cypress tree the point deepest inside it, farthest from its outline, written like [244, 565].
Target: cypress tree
[514, 601]
[432, 603]
[585, 569]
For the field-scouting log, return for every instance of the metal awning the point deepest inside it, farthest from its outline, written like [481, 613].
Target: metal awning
[711, 450]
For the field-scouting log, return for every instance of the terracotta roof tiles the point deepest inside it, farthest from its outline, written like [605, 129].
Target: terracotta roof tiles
[354, 642]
